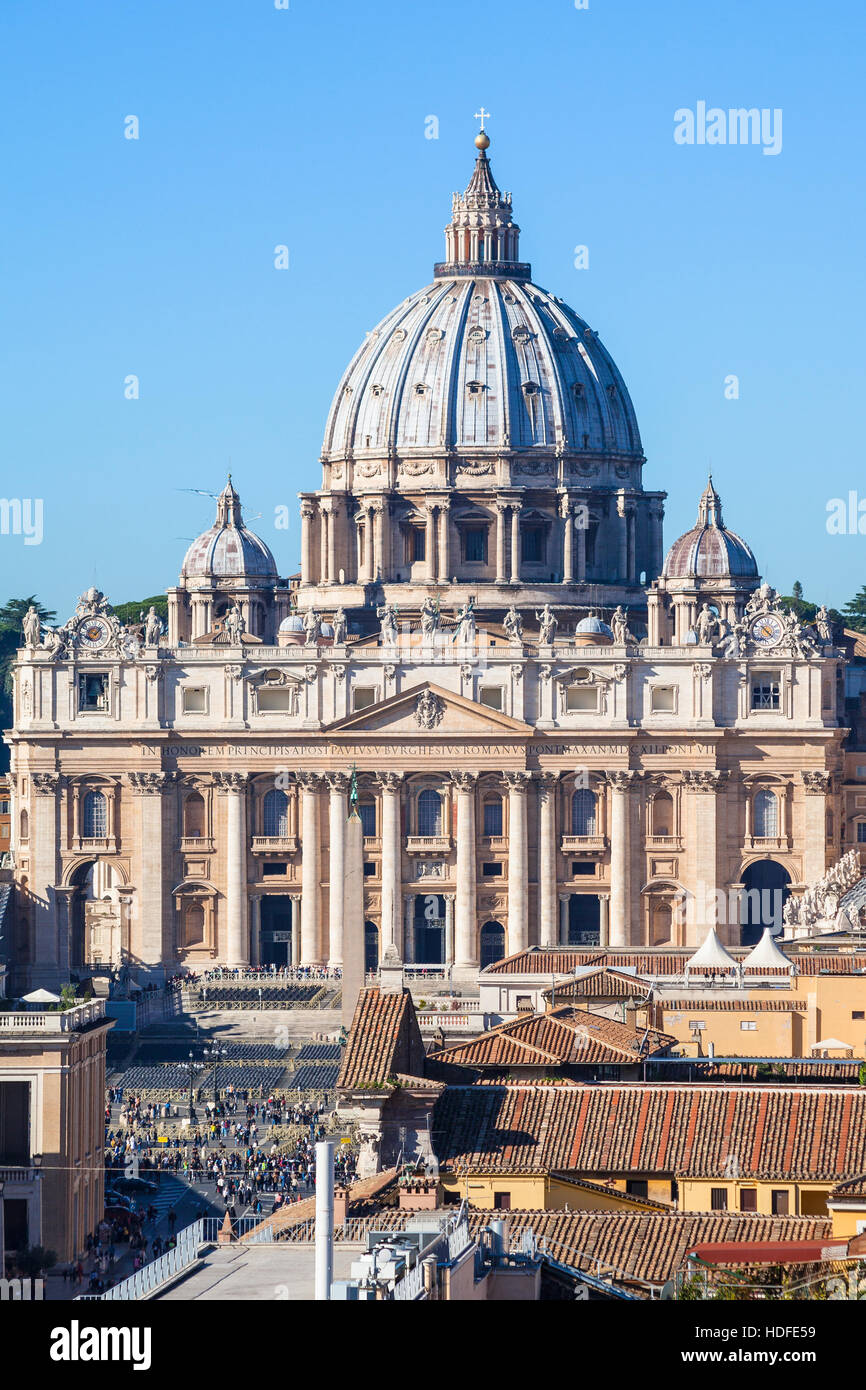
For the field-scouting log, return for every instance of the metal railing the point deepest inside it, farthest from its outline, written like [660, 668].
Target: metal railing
[159, 1271]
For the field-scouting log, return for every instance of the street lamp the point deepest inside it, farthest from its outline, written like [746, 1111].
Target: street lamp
[190, 1067]
[214, 1054]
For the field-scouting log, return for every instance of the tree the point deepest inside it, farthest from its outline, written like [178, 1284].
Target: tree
[854, 612]
[33, 1259]
[131, 612]
[11, 616]
[797, 590]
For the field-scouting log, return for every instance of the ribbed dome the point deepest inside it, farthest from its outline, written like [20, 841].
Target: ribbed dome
[228, 550]
[595, 627]
[469, 363]
[709, 550]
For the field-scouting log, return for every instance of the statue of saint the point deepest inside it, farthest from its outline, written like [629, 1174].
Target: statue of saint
[619, 626]
[706, 626]
[341, 627]
[312, 627]
[464, 632]
[152, 628]
[513, 625]
[31, 625]
[824, 626]
[387, 624]
[429, 616]
[547, 625]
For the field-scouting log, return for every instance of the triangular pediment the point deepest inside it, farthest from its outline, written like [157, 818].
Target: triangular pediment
[441, 712]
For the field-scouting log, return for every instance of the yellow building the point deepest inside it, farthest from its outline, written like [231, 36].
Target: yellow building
[52, 1097]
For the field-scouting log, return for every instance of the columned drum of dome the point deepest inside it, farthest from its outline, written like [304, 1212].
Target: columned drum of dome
[482, 438]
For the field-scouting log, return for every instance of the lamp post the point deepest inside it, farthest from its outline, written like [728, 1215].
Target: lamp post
[214, 1054]
[190, 1067]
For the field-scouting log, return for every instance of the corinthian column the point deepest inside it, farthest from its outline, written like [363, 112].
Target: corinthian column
[147, 788]
[392, 878]
[515, 542]
[501, 509]
[338, 783]
[619, 782]
[308, 511]
[465, 909]
[547, 858]
[444, 556]
[311, 908]
[48, 950]
[233, 785]
[518, 887]
[430, 544]
[567, 542]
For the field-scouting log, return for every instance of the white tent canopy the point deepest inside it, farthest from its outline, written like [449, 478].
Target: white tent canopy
[41, 996]
[831, 1045]
[765, 955]
[711, 956]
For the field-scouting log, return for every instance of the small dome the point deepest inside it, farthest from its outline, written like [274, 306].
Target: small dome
[294, 623]
[709, 550]
[228, 550]
[594, 626]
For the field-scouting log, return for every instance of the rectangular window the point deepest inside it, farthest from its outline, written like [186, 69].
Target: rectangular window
[748, 1199]
[637, 1187]
[502, 1201]
[491, 696]
[581, 697]
[369, 869]
[363, 696]
[861, 832]
[766, 691]
[662, 700]
[779, 1200]
[194, 699]
[491, 870]
[582, 868]
[858, 1014]
[493, 818]
[4, 808]
[532, 546]
[14, 1127]
[274, 870]
[861, 773]
[696, 1025]
[367, 812]
[417, 545]
[718, 1199]
[93, 692]
[274, 700]
[475, 545]
[748, 1025]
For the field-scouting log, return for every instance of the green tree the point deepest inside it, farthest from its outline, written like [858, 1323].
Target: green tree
[854, 612]
[131, 612]
[33, 1259]
[11, 616]
[797, 590]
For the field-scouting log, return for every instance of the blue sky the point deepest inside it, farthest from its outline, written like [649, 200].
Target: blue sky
[261, 126]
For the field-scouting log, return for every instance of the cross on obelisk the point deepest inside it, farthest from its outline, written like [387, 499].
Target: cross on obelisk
[482, 116]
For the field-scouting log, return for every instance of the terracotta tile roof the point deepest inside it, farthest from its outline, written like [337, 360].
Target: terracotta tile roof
[537, 960]
[585, 1184]
[296, 1213]
[651, 1128]
[563, 1036]
[640, 1248]
[851, 1187]
[384, 1039]
[707, 1070]
[743, 1004]
[603, 983]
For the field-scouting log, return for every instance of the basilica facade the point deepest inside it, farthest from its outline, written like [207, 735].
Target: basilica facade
[559, 733]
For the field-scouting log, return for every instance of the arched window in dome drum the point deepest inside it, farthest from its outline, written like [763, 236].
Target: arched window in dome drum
[429, 813]
[275, 809]
[583, 812]
[766, 815]
[94, 817]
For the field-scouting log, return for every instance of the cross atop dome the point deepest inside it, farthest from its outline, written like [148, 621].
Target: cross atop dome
[710, 507]
[229, 506]
[482, 237]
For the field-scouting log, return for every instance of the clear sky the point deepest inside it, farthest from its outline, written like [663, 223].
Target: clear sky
[305, 126]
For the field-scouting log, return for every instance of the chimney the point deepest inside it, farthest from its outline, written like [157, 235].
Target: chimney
[341, 1206]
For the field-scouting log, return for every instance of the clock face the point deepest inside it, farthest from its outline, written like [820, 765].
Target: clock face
[767, 631]
[93, 633]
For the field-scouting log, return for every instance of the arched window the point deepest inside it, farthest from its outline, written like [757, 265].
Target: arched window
[95, 816]
[492, 943]
[429, 813]
[663, 815]
[276, 814]
[493, 815]
[193, 924]
[24, 826]
[367, 812]
[193, 816]
[583, 812]
[766, 815]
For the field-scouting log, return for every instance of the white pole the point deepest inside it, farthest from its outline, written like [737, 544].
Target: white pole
[324, 1219]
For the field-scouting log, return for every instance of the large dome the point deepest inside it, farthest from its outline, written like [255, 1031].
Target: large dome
[228, 550]
[481, 358]
[709, 550]
[469, 363]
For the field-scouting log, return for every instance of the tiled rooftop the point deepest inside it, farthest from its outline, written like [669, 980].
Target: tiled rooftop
[563, 1036]
[384, 1039]
[603, 983]
[537, 960]
[766, 1131]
